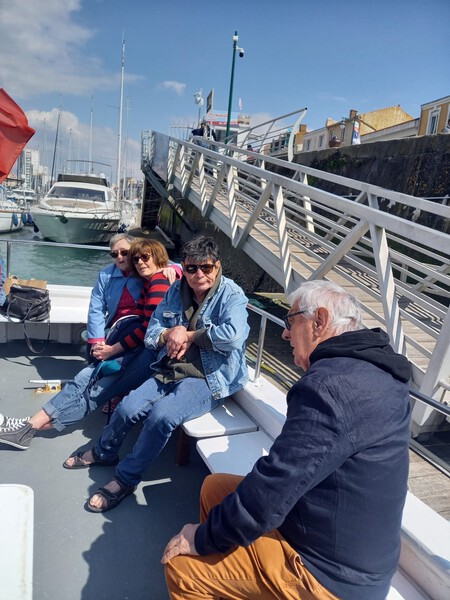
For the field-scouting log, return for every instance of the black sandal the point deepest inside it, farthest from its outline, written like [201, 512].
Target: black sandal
[112, 499]
[80, 463]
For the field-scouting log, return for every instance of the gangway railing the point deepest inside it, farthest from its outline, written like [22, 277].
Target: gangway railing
[391, 249]
[271, 137]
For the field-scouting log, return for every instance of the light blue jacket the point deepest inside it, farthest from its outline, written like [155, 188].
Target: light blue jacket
[224, 315]
[2, 282]
[105, 299]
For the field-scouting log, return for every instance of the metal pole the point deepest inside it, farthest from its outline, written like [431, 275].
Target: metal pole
[230, 97]
[119, 148]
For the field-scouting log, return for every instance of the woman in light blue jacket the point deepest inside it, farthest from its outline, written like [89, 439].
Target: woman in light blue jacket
[116, 291]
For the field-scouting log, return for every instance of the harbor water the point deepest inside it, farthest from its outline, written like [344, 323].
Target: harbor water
[56, 264]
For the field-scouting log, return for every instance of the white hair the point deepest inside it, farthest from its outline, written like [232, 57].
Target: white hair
[343, 307]
[120, 236]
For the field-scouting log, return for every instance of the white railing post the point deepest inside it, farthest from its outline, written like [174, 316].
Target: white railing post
[283, 242]
[231, 191]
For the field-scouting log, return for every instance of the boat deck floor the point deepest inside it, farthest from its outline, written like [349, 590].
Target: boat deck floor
[80, 555]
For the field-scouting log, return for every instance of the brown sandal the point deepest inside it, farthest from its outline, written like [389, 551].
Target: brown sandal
[80, 463]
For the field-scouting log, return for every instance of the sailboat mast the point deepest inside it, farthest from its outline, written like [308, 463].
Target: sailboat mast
[56, 145]
[90, 133]
[119, 149]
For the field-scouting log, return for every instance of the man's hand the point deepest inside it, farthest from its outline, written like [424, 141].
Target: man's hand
[183, 543]
[177, 341]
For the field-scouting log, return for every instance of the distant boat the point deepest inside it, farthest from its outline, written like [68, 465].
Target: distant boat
[23, 197]
[78, 209]
[10, 214]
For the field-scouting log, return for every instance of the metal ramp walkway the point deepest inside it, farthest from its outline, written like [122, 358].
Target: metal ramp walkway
[381, 245]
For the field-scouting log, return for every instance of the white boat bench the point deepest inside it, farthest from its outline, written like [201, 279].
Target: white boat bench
[241, 417]
[232, 438]
[16, 541]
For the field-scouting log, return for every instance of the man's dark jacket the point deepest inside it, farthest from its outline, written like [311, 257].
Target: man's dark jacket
[335, 480]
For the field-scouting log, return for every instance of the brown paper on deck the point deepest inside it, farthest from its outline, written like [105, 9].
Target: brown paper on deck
[37, 283]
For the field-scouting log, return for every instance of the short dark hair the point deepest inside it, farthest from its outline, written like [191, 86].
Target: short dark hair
[200, 249]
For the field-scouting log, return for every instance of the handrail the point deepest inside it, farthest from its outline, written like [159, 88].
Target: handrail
[442, 408]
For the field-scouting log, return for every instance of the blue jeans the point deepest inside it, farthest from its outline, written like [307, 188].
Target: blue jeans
[164, 407]
[80, 396]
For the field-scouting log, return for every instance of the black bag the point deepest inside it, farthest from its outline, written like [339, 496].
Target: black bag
[28, 303]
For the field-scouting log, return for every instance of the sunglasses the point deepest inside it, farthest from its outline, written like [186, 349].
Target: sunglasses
[144, 257]
[287, 323]
[115, 254]
[191, 269]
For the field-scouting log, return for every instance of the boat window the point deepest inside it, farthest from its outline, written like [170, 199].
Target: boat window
[77, 193]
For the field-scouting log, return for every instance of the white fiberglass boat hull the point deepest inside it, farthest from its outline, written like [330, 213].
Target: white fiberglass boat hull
[76, 228]
[77, 210]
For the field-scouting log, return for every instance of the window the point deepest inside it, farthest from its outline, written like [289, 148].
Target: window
[433, 120]
[320, 141]
[308, 145]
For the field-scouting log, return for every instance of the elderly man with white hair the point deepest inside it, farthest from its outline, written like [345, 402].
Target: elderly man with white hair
[320, 516]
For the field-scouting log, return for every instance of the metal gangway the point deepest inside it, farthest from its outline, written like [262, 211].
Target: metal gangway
[379, 244]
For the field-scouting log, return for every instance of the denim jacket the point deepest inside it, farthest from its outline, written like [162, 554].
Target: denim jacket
[224, 316]
[105, 299]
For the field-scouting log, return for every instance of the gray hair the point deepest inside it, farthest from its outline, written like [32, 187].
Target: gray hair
[343, 307]
[120, 236]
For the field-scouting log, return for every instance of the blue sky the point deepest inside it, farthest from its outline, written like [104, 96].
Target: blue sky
[331, 56]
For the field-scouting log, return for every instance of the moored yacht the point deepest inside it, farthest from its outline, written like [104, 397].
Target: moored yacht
[79, 209]
[23, 197]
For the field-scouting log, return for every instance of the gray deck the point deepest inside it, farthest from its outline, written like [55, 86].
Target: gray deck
[116, 556]
[79, 555]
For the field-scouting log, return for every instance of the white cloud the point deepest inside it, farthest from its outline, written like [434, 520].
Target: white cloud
[174, 86]
[340, 99]
[43, 50]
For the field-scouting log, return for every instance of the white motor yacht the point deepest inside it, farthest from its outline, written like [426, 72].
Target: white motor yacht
[78, 209]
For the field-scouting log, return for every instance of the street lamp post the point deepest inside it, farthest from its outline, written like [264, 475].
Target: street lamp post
[230, 97]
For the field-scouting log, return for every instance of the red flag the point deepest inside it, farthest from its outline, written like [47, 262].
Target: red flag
[14, 133]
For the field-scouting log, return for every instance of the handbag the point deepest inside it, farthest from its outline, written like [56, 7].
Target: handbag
[29, 304]
[26, 303]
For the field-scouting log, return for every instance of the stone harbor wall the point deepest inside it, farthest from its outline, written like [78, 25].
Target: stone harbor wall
[419, 166]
